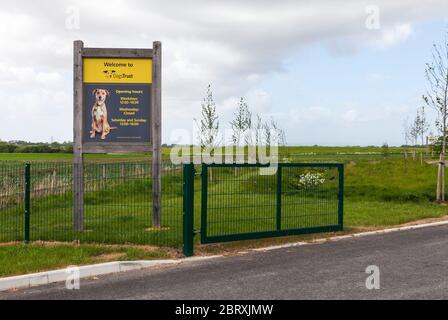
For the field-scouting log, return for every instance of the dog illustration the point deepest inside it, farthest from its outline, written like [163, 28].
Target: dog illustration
[100, 124]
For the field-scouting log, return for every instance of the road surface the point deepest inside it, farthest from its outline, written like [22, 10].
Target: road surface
[413, 264]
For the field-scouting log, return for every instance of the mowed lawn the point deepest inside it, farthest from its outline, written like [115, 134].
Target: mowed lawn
[26, 258]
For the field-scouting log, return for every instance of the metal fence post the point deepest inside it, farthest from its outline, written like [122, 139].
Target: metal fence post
[279, 196]
[27, 201]
[341, 197]
[188, 208]
[204, 195]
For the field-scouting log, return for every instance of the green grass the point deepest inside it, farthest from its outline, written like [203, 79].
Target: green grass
[20, 258]
[293, 152]
[381, 214]
[63, 156]
[379, 192]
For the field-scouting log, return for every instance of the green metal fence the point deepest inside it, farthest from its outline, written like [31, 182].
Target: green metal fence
[36, 203]
[248, 201]
[221, 201]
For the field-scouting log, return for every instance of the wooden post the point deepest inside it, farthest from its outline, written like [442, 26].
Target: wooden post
[156, 102]
[53, 182]
[78, 160]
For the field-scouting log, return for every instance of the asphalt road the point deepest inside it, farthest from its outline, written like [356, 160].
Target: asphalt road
[413, 265]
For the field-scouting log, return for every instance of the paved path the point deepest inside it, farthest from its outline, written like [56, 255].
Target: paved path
[413, 265]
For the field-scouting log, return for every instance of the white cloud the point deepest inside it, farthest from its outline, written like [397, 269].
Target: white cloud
[232, 44]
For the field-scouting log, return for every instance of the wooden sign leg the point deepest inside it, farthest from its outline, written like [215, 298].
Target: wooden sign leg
[156, 136]
[78, 160]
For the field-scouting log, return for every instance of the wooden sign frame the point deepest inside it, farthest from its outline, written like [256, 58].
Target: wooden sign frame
[81, 147]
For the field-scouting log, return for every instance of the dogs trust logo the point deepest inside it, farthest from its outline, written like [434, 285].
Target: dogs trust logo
[109, 73]
[113, 74]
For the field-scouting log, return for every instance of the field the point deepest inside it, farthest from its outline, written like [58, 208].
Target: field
[381, 189]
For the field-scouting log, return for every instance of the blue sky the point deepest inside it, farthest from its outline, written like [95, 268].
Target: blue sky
[314, 67]
[372, 89]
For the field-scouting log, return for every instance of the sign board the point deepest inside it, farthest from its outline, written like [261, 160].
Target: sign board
[117, 100]
[117, 109]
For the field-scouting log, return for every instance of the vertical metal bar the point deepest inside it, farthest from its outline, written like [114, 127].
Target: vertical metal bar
[204, 175]
[27, 201]
[188, 204]
[279, 197]
[341, 197]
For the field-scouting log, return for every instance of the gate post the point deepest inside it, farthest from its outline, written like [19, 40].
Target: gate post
[27, 201]
[279, 197]
[341, 197]
[188, 208]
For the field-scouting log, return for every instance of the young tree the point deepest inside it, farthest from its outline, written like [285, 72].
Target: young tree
[248, 139]
[241, 123]
[437, 98]
[424, 125]
[208, 126]
[267, 138]
[279, 133]
[259, 131]
[385, 150]
[240, 126]
[421, 127]
[406, 135]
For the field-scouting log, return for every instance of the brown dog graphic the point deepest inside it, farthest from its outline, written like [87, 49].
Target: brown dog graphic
[99, 114]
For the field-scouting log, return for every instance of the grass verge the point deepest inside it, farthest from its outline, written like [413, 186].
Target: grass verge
[19, 258]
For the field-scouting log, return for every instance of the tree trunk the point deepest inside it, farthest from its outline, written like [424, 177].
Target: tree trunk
[441, 183]
[441, 173]
[442, 177]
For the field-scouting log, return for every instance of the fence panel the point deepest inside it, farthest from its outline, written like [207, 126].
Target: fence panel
[238, 202]
[117, 204]
[12, 200]
[51, 198]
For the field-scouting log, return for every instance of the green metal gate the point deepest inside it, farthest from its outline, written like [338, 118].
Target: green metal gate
[249, 201]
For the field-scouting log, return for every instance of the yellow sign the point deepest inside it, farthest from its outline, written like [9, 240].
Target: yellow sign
[117, 70]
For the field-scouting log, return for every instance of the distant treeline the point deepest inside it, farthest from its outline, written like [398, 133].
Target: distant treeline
[41, 147]
[30, 147]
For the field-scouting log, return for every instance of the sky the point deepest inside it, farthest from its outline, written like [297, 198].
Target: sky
[330, 72]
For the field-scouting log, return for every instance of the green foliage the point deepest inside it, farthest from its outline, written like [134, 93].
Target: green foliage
[385, 149]
[28, 147]
[436, 146]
